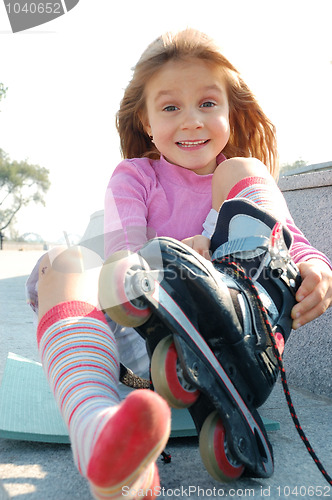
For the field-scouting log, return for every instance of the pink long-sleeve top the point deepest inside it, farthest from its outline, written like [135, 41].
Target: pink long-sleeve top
[147, 198]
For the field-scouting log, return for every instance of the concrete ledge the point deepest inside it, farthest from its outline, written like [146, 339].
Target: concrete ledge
[304, 169]
[308, 357]
[306, 181]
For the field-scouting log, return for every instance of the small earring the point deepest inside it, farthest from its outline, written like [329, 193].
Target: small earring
[151, 138]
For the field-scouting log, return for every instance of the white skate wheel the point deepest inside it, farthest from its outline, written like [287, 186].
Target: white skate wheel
[167, 376]
[214, 451]
[115, 296]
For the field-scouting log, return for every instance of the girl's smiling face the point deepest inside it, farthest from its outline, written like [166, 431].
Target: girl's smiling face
[187, 114]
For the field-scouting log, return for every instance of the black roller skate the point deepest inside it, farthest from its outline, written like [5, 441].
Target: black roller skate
[209, 328]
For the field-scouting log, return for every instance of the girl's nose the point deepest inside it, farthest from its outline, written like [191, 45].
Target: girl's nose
[191, 119]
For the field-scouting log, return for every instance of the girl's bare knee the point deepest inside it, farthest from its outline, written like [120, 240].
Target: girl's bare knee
[236, 169]
[68, 274]
[230, 172]
[76, 259]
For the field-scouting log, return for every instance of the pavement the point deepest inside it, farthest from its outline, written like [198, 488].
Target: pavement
[40, 471]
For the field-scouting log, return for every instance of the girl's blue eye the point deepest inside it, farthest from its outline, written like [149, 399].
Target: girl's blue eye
[207, 104]
[170, 108]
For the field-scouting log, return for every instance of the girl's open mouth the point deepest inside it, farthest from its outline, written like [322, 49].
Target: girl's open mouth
[192, 144]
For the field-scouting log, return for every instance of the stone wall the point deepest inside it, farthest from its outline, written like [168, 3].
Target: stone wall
[308, 354]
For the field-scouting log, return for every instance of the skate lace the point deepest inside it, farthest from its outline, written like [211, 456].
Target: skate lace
[130, 379]
[239, 271]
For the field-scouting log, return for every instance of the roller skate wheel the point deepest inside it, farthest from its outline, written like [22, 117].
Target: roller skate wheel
[214, 451]
[116, 296]
[167, 376]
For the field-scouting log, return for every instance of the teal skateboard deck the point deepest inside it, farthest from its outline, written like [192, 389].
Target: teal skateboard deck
[28, 410]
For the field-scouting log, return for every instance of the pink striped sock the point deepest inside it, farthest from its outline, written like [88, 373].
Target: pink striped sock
[265, 193]
[114, 444]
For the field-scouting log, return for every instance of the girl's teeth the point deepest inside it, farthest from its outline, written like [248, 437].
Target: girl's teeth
[191, 143]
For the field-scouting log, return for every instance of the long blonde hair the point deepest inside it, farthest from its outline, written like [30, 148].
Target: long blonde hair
[252, 133]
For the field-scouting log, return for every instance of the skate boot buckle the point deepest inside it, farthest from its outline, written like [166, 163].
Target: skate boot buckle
[278, 249]
[281, 262]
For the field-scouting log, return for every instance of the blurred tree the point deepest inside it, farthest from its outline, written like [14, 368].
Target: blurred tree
[3, 91]
[20, 184]
[288, 168]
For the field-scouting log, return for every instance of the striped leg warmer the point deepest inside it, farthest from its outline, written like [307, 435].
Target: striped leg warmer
[265, 193]
[262, 191]
[114, 444]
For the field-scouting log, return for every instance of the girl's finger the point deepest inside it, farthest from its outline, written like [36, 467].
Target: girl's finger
[309, 301]
[310, 281]
[310, 315]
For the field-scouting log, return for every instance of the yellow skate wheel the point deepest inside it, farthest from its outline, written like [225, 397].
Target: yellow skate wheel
[214, 451]
[167, 376]
[116, 296]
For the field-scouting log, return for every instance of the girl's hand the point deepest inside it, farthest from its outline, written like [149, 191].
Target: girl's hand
[315, 293]
[199, 243]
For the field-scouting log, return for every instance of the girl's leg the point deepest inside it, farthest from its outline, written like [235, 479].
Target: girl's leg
[245, 178]
[248, 178]
[115, 444]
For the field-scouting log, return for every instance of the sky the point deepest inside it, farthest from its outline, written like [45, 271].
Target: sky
[66, 78]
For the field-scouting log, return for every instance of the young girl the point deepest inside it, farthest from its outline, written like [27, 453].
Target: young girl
[193, 136]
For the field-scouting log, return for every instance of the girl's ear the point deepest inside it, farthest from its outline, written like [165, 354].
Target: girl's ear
[148, 129]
